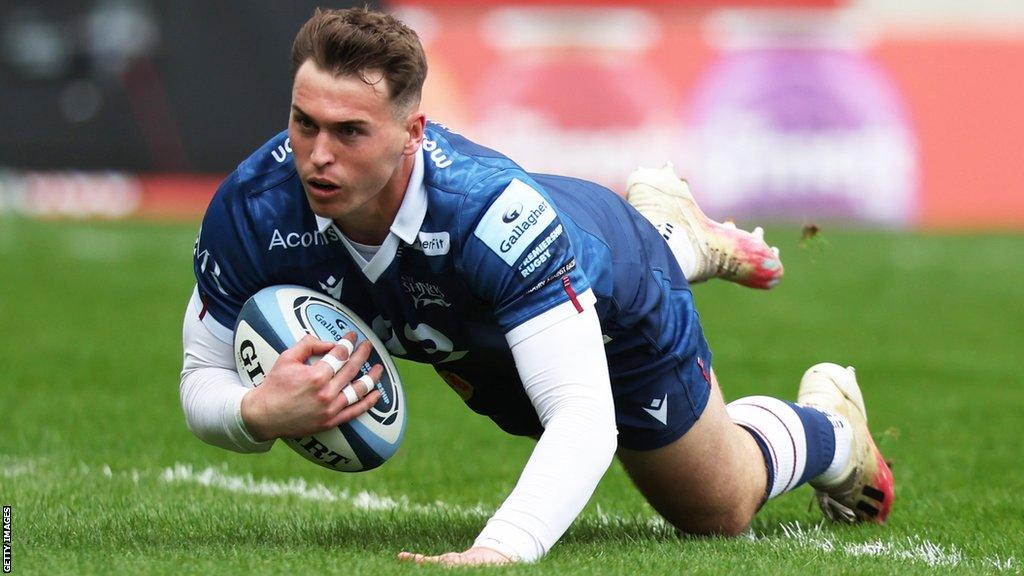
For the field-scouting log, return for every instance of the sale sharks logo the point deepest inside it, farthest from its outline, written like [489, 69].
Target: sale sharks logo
[424, 293]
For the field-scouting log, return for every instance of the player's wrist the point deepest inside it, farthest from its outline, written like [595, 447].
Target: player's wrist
[509, 540]
[494, 547]
[253, 416]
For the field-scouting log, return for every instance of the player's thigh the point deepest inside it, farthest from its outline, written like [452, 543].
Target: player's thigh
[710, 480]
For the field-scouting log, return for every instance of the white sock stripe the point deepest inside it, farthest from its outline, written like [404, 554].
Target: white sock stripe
[780, 427]
[797, 436]
[771, 450]
[753, 418]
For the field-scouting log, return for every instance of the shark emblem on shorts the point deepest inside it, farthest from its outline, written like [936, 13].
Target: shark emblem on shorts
[659, 409]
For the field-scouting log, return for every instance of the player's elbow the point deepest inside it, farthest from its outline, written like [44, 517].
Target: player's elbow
[203, 431]
[594, 422]
[606, 440]
[199, 419]
[610, 439]
[209, 405]
[605, 430]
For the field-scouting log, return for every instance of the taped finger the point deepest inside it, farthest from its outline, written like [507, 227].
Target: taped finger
[350, 395]
[367, 381]
[333, 361]
[346, 344]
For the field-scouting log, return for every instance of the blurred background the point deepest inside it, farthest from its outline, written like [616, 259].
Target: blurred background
[895, 114]
[898, 125]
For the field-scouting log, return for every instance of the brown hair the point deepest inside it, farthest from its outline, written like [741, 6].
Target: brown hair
[356, 41]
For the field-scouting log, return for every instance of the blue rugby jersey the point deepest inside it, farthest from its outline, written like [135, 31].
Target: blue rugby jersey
[478, 247]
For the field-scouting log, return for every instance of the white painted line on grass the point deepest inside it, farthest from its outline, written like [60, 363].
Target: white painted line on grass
[795, 536]
[914, 549]
[12, 468]
[301, 488]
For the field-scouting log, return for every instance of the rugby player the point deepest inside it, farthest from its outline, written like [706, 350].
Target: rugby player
[548, 303]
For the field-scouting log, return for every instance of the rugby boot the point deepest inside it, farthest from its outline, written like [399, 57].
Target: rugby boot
[865, 489]
[715, 249]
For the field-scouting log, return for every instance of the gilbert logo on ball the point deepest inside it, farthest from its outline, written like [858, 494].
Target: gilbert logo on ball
[277, 317]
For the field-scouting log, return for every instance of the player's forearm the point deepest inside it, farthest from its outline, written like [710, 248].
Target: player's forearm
[565, 374]
[211, 391]
[560, 477]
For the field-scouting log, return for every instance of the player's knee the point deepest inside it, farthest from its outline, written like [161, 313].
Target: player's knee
[734, 522]
[726, 515]
[731, 522]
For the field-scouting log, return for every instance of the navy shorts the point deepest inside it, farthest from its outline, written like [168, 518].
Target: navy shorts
[659, 396]
[660, 377]
[659, 362]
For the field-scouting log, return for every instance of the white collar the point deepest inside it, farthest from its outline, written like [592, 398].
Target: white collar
[412, 211]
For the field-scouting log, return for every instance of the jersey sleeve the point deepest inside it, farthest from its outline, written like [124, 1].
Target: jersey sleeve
[225, 262]
[520, 256]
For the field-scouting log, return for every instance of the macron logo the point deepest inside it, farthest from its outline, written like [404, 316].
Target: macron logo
[333, 286]
[659, 409]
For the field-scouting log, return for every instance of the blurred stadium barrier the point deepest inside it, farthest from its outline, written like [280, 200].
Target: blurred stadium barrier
[800, 110]
[106, 195]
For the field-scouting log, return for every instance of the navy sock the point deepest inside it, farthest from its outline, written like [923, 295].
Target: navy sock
[797, 442]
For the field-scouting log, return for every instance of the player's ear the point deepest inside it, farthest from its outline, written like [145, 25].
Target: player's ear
[414, 125]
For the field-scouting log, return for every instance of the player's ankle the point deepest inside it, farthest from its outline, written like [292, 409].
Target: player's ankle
[839, 471]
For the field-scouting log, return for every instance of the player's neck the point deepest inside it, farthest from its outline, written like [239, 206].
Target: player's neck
[372, 223]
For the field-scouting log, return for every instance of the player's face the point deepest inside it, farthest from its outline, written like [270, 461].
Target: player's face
[351, 151]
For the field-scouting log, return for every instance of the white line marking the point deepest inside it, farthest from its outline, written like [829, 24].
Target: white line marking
[916, 549]
[11, 467]
[299, 487]
[913, 549]
[795, 536]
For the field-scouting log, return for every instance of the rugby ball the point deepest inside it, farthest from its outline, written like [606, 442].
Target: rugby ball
[277, 317]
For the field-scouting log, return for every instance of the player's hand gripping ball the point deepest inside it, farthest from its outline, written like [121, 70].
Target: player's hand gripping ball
[277, 317]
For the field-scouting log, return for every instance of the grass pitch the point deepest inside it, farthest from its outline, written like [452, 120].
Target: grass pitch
[103, 476]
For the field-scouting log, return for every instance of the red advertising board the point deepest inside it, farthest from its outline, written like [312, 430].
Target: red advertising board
[763, 117]
[790, 113]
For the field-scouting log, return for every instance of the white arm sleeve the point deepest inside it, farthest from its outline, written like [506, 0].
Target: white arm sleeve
[211, 391]
[565, 373]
